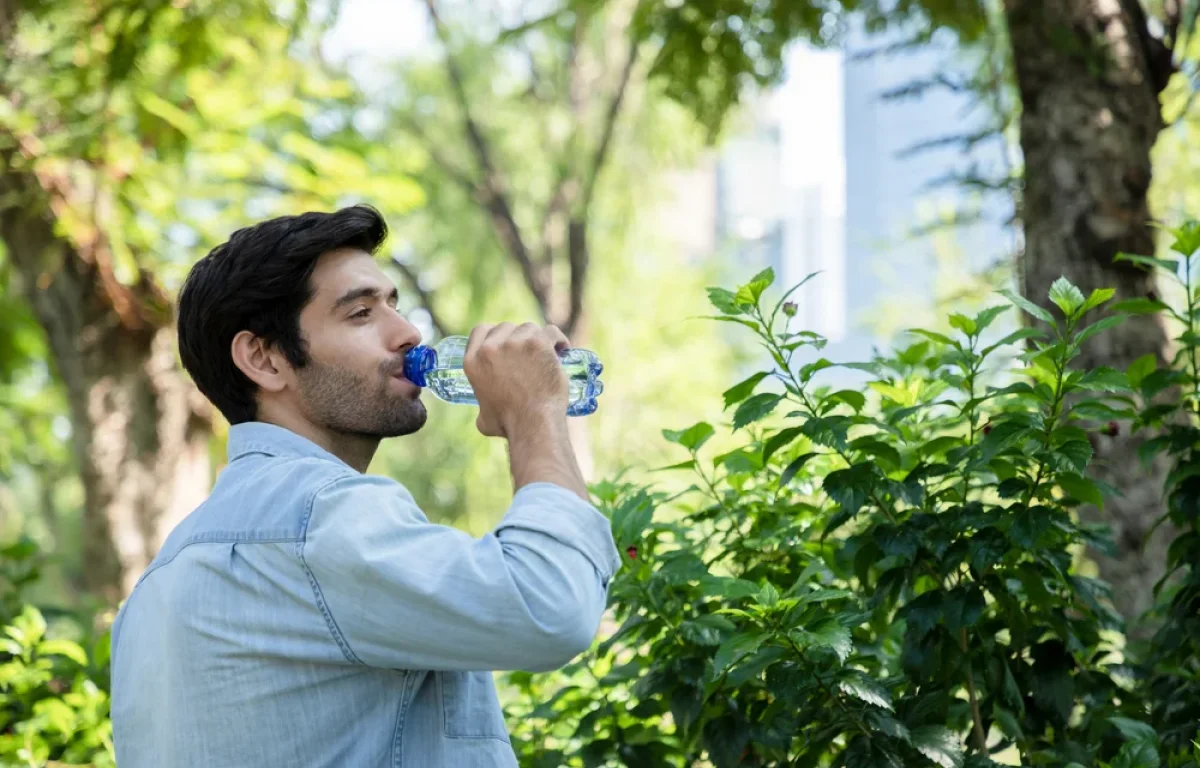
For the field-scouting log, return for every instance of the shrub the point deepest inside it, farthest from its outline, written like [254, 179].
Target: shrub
[53, 697]
[882, 575]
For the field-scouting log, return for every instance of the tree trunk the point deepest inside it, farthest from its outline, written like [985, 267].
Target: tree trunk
[140, 429]
[1089, 76]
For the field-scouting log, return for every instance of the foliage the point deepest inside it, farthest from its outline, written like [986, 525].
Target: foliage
[1172, 410]
[883, 576]
[54, 699]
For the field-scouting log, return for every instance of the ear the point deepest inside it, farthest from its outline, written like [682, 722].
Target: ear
[263, 365]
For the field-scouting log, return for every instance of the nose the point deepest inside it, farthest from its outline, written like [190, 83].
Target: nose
[401, 334]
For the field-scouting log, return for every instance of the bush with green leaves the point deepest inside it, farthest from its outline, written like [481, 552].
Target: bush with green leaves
[879, 575]
[54, 703]
[1172, 661]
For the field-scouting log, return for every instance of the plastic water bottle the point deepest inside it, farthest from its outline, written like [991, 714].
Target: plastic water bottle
[440, 368]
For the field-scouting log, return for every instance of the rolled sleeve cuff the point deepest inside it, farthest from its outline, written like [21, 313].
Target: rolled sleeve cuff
[550, 510]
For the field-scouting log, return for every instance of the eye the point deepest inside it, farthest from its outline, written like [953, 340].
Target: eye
[362, 313]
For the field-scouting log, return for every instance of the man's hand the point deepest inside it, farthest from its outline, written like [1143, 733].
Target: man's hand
[522, 392]
[516, 375]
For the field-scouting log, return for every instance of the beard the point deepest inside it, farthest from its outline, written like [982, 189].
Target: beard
[341, 401]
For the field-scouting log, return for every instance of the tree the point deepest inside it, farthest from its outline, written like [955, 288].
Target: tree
[1089, 75]
[129, 137]
[521, 123]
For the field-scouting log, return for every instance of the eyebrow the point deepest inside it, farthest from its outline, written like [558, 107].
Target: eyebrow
[358, 293]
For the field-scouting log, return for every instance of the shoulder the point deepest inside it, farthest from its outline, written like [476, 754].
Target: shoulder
[359, 505]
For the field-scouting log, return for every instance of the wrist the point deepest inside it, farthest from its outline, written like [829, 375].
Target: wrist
[536, 424]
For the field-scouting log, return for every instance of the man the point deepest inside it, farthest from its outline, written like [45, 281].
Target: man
[308, 614]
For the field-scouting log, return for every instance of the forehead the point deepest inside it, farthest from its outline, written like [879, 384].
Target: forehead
[345, 269]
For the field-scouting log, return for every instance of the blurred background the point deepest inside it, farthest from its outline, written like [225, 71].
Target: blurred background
[592, 163]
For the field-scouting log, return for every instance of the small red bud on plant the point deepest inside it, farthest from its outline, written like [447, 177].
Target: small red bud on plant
[1152, 295]
[1113, 429]
[632, 552]
[987, 428]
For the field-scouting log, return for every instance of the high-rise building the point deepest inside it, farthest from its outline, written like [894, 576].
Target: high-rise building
[819, 181]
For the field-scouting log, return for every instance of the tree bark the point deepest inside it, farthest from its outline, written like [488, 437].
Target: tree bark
[1089, 75]
[140, 430]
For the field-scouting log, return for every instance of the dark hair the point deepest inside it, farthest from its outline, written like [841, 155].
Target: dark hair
[259, 281]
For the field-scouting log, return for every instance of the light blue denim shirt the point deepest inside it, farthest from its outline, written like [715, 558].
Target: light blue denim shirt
[310, 615]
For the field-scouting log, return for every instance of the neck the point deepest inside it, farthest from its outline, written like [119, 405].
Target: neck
[355, 450]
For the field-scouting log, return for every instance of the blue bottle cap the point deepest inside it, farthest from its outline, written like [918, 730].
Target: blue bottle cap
[419, 361]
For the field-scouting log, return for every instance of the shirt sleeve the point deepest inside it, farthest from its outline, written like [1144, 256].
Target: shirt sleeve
[403, 593]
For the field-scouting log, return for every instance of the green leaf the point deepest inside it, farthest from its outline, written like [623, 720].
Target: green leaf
[1002, 435]
[728, 588]
[1008, 723]
[822, 596]
[1165, 265]
[988, 316]
[939, 745]
[809, 370]
[828, 431]
[1098, 297]
[865, 689]
[793, 468]
[962, 608]
[873, 446]
[1135, 730]
[1139, 306]
[768, 596]
[1104, 380]
[1081, 488]
[691, 438]
[854, 399]
[780, 439]
[739, 392]
[962, 323]
[755, 409]
[833, 636]
[733, 649]
[707, 629]
[1013, 338]
[1077, 453]
[725, 738]
[689, 464]
[850, 487]
[934, 336]
[1028, 526]
[889, 726]
[1139, 369]
[1028, 307]
[1066, 296]
[66, 648]
[723, 300]
[740, 461]
[751, 292]
[986, 549]
[1137, 754]
[1112, 321]
[1187, 235]
[922, 612]
[939, 445]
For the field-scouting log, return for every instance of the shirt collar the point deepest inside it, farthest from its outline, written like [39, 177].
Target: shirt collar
[273, 440]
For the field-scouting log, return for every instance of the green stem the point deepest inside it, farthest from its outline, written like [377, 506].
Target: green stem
[1060, 367]
[833, 696]
[1191, 347]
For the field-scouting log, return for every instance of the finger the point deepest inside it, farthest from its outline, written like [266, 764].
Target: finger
[557, 338]
[478, 334]
[499, 333]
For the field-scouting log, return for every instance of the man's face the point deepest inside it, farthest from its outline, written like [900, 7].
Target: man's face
[354, 381]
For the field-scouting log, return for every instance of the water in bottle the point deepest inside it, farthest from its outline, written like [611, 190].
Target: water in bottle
[440, 369]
